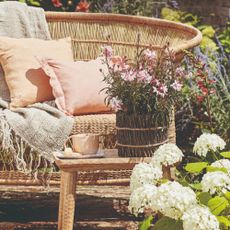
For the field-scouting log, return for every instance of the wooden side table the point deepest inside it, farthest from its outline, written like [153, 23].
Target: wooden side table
[69, 169]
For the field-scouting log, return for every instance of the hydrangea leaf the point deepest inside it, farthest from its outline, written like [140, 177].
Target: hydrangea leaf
[196, 167]
[227, 195]
[146, 224]
[196, 186]
[204, 197]
[217, 204]
[166, 223]
[215, 169]
[225, 154]
[223, 220]
[163, 180]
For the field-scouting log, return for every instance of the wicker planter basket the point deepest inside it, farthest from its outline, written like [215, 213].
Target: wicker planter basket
[139, 135]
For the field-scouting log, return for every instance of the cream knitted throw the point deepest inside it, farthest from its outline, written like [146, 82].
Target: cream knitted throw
[32, 133]
[29, 134]
[21, 21]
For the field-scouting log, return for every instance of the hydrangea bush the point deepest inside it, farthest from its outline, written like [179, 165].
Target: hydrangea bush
[198, 199]
[199, 217]
[167, 155]
[172, 199]
[208, 142]
[144, 173]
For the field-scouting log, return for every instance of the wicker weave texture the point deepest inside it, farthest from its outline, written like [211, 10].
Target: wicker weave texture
[90, 31]
[103, 124]
[99, 177]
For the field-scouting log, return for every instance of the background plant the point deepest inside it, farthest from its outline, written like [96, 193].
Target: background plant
[196, 116]
[225, 40]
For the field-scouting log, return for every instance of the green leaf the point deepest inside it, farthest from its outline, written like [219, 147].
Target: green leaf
[146, 224]
[34, 3]
[166, 223]
[214, 169]
[225, 154]
[227, 195]
[196, 167]
[204, 197]
[217, 204]
[196, 186]
[223, 220]
[163, 180]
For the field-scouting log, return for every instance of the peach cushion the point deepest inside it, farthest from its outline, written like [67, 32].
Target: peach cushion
[77, 85]
[26, 80]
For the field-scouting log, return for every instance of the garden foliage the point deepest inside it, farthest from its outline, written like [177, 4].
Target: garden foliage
[206, 97]
[198, 199]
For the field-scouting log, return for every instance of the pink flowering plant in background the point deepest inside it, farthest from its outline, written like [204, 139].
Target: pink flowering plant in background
[148, 84]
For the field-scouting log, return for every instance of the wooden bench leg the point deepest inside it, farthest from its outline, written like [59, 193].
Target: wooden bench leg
[67, 200]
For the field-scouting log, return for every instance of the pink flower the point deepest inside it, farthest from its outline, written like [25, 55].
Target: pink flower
[118, 63]
[161, 90]
[155, 82]
[107, 51]
[151, 55]
[144, 76]
[116, 104]
[57, 3]
[176, 85]
[179, 72]
[129, 75]
[200, 98]
[83, 6]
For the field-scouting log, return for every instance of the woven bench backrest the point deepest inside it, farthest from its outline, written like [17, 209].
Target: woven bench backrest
[90, 31]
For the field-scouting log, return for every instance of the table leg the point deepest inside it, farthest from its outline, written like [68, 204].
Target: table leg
[67, 200]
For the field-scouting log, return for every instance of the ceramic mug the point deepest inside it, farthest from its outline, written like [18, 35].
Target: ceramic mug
[85, 143]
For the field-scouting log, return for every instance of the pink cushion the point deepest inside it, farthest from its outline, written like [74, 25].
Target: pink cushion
[76, 86]
[26, 80]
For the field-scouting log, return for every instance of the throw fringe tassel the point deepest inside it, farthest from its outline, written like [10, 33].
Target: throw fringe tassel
[15, 152]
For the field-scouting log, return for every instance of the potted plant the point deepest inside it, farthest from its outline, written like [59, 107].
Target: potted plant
[142, 91]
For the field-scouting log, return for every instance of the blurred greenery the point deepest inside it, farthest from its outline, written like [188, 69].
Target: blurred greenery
[225, 39]
[131, 7]
[214, 52]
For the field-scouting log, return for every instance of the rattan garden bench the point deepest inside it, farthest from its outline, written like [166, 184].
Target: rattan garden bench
[88, 32]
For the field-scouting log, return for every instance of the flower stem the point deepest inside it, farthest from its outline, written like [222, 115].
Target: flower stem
[209, 112]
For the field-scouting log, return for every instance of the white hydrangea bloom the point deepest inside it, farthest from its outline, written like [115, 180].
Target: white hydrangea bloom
[167, 154]
[207, 142]
[141, 198]
[215, 182]
[144, 173]
[172, 199]
[199, 218]
[223, 163]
